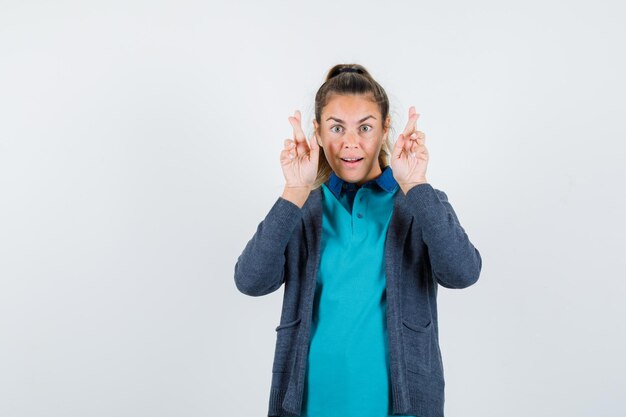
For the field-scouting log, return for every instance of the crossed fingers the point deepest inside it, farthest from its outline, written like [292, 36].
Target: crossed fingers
[414, 138]
[301, 146]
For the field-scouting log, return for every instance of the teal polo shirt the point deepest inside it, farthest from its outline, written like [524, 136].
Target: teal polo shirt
[348, 361]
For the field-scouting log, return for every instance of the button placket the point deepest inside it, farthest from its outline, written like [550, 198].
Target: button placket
[358, 214]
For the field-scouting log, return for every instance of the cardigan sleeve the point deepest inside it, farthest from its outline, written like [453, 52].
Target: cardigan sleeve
[455, 262]
[259, 270]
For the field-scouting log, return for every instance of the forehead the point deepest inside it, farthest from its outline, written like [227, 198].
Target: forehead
[350, 108]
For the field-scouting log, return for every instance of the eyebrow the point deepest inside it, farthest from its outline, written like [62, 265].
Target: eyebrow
[341, 121]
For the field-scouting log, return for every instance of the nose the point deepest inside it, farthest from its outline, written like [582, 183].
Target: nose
[352, 139]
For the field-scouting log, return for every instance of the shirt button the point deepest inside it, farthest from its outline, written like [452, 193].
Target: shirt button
[360, 216]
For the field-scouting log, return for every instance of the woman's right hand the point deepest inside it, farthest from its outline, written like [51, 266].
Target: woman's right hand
[298, 159]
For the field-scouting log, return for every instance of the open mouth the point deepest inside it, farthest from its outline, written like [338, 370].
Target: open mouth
[351, 161]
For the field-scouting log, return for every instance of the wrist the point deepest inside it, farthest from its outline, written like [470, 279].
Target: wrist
[297, 194]
[298, 186]
[406, 186]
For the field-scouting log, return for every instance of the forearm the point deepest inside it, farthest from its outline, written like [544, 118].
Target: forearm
[260, 267]
[455, 262]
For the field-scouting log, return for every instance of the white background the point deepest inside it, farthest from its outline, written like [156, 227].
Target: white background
[139, 150]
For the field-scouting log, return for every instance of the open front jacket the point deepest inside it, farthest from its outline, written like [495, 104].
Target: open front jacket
[426, 246]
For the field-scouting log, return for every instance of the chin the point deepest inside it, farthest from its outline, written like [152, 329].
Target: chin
[351, 176]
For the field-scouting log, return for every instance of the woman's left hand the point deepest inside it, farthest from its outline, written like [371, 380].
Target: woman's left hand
[410, 156]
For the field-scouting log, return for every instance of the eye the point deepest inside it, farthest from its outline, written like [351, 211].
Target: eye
[369, 128]
[334, 131]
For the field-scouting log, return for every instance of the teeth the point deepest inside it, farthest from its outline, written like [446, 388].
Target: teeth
[351, 159]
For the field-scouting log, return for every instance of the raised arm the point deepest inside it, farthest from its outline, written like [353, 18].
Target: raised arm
[455, 262]
[261, 266]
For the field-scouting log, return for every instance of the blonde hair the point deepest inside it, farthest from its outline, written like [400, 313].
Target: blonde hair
[347, 79]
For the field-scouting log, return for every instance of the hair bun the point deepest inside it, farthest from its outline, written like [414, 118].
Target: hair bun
[350, 69]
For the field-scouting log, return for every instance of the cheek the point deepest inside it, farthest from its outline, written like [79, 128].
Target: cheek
[332, 149]
[374, 146]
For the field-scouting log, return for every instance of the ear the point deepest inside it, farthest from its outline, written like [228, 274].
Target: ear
[317, 136]
[386, 128]
[387, 123]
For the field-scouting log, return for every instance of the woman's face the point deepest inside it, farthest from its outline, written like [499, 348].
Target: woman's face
[351, 128]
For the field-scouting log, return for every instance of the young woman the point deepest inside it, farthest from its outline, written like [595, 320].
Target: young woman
[361, 241]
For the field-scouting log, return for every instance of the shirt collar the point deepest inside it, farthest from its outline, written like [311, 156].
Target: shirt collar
[386, 181]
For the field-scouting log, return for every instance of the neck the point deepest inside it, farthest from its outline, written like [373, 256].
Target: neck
[372, 175]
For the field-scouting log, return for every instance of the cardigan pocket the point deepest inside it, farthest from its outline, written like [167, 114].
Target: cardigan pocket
[286, 334]
[417, 345]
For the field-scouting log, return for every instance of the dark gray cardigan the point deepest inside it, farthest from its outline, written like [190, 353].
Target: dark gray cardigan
[426, 246]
